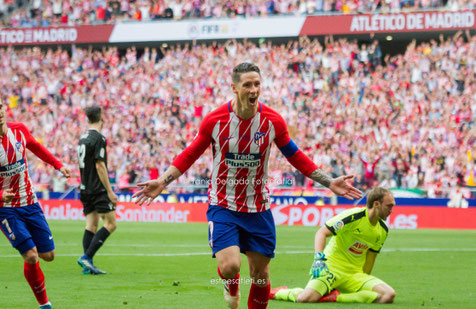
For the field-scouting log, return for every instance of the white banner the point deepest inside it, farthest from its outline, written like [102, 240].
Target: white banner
[208, 29]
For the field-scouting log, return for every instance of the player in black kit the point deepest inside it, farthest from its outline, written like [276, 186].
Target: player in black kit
[97, 196]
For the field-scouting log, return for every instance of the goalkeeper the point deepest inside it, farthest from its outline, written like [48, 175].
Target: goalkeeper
[341, 272]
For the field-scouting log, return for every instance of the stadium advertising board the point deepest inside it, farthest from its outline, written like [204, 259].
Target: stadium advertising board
[55, 35]
[403, 217]
[207, 29]
[211, 29]
[293, 26]
[388, 23]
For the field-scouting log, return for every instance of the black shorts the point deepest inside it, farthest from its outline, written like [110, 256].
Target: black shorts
[96, 202]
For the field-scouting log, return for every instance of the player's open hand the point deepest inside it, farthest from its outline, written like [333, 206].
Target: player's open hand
[149, 191]
[342, 186]
[7, 195]
[65, 171]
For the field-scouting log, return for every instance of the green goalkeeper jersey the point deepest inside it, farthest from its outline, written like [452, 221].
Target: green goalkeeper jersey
[353, 236]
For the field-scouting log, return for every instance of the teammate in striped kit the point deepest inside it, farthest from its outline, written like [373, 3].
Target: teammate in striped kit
[21, 217]
[239, 217]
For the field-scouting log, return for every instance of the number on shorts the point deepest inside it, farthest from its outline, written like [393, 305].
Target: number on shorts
[331, 279]
[81, 155]
[5, 222]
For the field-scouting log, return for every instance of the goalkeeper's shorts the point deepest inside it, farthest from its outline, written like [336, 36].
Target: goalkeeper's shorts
[343, 282]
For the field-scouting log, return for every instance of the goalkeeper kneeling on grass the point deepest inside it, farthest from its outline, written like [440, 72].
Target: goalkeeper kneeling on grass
[341, 272]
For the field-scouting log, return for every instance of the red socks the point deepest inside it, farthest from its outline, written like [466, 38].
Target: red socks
[258, 298]
[233, 284]
[36, 279]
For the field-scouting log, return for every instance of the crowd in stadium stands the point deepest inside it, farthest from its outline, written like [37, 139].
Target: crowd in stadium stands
[401, 121]
[45, 13]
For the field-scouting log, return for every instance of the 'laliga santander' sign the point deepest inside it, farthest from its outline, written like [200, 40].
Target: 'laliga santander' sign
[403, 217]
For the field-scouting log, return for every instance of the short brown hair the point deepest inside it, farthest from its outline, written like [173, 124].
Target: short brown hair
[376, 194]
[244, 67]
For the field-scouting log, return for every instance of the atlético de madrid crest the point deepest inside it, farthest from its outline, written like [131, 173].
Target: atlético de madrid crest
[19, 146]
[259, 138]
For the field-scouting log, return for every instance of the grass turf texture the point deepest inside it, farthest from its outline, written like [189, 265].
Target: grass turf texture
[149, 266]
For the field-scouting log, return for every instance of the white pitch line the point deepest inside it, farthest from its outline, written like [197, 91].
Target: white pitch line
[277, 252]
[70, 244]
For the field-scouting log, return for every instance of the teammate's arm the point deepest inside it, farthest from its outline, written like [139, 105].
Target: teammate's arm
[104, 178]
[369, 261]
[44, 154]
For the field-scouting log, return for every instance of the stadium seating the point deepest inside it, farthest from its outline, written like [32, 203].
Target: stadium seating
[38, 13]
[342, 102]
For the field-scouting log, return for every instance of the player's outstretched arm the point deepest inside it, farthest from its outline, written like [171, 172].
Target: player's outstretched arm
[39, 150]
[304, 164]
[152, 188]
[340, 185]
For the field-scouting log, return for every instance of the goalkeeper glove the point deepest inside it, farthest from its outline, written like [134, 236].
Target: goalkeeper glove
[319, 267]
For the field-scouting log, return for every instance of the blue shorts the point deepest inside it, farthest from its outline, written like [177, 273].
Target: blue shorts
[26, 228]
[249, 231]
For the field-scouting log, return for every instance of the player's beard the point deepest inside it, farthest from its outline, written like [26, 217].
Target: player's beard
[250, 102]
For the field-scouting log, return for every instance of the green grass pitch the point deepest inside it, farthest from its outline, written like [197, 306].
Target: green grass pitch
[427, 268]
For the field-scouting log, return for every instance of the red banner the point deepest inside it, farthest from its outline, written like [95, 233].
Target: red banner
[55, 35]
[388, 23]
[403, 217]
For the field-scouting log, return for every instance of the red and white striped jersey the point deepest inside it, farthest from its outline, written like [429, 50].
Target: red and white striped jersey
[241, 151]
[14, 168]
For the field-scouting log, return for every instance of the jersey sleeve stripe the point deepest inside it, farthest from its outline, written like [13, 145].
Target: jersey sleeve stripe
[384, 225]
[331, 228]
[289, 149]
[354, 217]
[376, 251]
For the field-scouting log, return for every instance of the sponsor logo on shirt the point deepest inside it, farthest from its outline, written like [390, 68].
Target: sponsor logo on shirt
[243, 160]
[13, 169]
[358, 248]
